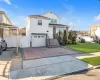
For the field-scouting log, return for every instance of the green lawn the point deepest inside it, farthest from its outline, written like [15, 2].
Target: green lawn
[95, 61]
[85, 47]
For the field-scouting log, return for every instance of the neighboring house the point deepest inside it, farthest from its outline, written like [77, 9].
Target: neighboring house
[93, 29]
[22, 31]
[83, 33]
[4, 20]
[41, 29]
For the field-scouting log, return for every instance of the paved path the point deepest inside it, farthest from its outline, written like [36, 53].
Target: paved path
[5, 61]
[90, 55]
[89, 75]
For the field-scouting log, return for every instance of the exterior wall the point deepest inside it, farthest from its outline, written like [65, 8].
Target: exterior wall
[93, 29]
[1, 18]
[52, 16]
[5, 20]
[35, 28]
[50, 33]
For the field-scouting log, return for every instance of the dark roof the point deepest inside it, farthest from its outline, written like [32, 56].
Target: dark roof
[38, 16]
[59, 25]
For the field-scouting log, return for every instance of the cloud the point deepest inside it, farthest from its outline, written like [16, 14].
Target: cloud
[97, 18]
[6, 1]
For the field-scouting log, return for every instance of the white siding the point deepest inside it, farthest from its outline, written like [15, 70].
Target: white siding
[35, 28]
[52, 16]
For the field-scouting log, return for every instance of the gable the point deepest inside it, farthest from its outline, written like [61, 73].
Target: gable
[53, 17]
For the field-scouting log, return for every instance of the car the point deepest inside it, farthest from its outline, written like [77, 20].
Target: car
[0, 48]
[3, 44]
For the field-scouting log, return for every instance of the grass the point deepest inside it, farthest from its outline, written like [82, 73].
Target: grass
[95, 61]
[85, 47]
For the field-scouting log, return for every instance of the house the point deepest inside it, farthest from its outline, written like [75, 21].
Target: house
[93, 29]
[22, 31]
[42, 29]
[4, 20]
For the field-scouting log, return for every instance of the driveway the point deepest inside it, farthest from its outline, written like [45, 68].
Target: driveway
[5, 61]
[42, 63]
[36, 53]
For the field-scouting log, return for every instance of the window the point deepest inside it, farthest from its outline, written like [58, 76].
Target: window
[53, 21]
[39, 22]
[35, 36]
[38, 36]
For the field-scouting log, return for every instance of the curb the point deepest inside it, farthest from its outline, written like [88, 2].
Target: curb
[96, 67]
[77, 72]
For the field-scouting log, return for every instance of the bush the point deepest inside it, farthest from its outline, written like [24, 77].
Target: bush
[65, 37]
[73, 40]
[82, 40]
[69, 41]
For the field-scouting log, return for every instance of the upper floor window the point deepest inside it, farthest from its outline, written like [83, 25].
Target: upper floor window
[39, 22]
[53, 21]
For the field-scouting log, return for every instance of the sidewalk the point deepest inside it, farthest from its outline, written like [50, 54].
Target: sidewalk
[5, 62]
[90, 55]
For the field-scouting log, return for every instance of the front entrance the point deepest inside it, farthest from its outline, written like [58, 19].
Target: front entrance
[38, 40]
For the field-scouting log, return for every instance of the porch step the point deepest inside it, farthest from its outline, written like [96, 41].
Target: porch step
[53, 43]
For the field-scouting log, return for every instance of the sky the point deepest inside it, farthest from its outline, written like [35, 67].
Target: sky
[78, 14]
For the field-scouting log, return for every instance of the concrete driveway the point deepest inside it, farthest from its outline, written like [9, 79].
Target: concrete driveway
[43, 63]
[5, 61]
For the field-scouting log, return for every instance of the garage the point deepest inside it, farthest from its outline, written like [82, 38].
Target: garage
[38, 40]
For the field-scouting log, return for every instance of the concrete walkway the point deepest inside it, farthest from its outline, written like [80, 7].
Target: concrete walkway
[5, 62]
[90, 55]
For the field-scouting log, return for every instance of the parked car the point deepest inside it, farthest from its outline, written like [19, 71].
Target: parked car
[0, 48]
[3, 44]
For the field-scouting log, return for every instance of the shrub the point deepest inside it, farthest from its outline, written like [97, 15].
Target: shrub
[73, 40]
[82, 40]
[59, 37]
[65, 37]
[69, 41]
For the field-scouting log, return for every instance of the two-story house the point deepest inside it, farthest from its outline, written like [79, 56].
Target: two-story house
[41, 29]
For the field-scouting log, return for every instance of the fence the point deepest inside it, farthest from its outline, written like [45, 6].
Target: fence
[13, 41]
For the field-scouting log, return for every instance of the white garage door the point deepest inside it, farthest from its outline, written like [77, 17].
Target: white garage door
[38, 40]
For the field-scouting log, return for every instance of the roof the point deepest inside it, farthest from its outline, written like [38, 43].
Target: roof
[38, 16]
[2, 12]
[58, 25]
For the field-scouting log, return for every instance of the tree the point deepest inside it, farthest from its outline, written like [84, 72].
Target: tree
[65, 37]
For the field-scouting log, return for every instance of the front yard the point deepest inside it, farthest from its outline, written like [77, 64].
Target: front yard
[85, 47]
[95, 61]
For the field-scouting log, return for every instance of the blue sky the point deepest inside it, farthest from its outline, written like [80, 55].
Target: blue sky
[78, 13]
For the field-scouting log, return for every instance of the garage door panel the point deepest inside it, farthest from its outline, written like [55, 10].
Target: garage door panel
[38, 40]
